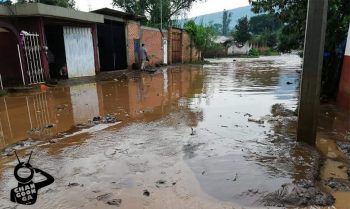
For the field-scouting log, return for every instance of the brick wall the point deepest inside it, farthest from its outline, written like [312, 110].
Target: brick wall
[171, 32]
[152, 38]
[186, 47]
[188, 51]
[133, 32]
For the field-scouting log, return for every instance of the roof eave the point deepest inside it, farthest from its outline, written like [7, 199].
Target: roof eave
[43, 10]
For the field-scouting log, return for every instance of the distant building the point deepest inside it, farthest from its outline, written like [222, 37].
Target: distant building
[232, 47]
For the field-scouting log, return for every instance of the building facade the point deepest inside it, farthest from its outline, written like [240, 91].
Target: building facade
[41, 42]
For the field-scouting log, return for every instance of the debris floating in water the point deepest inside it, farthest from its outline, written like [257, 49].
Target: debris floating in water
[256, 120]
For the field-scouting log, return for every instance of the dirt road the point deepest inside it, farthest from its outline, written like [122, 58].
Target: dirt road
[214, 136]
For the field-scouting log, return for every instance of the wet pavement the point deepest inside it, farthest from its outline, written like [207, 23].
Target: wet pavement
[213, 136]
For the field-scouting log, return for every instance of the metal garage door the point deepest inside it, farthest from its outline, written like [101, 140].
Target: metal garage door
[79, 51]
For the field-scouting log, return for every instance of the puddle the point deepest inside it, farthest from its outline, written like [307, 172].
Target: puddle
[212, 135]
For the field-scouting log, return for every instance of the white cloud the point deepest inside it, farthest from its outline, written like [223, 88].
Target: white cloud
[85, 5]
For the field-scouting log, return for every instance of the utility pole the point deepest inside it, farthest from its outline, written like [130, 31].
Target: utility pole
[309, 103]
[161, 15]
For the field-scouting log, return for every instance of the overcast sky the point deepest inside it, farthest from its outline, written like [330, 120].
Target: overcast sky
[206, 7]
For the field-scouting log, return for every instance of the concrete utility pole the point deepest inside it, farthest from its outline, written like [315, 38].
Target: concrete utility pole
[161, 15]
[309, 103]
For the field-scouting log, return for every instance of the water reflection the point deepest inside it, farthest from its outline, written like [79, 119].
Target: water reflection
[146, 96]
[244, 164]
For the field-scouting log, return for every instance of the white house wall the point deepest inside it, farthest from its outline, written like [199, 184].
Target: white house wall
[233, 49]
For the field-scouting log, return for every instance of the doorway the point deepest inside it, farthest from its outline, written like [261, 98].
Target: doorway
[56, 51]
[112, 45]
[10, 69]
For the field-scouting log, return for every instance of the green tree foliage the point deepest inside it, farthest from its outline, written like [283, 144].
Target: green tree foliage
[265, 22]
[241, 33]
[293, 14]
[201, 36]
[5, 2]
[226, 20]
[61, 3]
[266, 39]
[265, 30]
[217, 27]
[152, 9]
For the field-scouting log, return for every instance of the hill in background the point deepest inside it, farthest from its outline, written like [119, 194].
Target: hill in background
[216, 18]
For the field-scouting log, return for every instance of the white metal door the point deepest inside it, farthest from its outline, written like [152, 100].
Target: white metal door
[31, 47]
[165, 51]
[79, 51]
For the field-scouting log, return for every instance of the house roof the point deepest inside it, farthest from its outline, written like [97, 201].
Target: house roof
[119, 14]
[44, 10]
[223, 39]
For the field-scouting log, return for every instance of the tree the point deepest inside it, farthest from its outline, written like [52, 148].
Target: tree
[293, 14]
[217, 27]
[264, 23]
[152, 9]
[265, 29]
[201, 36]
[241, 33]
[5, 2]
[226, 20]
[61, 3]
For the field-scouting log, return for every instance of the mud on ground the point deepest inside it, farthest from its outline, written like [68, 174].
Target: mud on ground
[217, 136]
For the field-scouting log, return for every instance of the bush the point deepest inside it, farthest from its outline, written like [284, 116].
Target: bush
[253, 52]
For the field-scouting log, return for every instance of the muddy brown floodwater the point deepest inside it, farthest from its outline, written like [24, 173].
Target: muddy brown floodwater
[215, 136]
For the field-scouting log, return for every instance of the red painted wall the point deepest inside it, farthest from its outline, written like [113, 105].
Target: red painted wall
[9, 61]
[344, 88]
[32, 25]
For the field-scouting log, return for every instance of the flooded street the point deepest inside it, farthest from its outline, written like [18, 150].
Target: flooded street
[215, 136]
